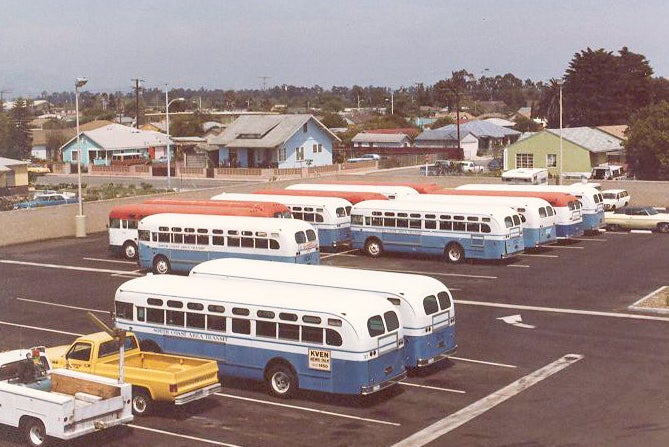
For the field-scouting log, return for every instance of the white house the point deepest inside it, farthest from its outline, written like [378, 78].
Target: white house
[371, 140]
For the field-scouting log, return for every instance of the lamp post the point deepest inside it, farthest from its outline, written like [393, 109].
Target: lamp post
[167, 119]
[80, 219]
[559, 179]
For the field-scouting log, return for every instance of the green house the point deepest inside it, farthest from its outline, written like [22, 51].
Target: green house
[582, 149]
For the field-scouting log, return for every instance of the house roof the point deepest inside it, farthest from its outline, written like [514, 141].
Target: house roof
[594, 140]
[411, 132]
[616, 131]
[366, 137]
[476, 128]
[4, 162]
[500, 122]
[117, 136]
[40, 136]
[262, 131]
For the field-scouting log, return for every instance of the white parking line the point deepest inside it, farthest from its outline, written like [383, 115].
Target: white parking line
[455, 420]
[537, 255]
[563, 311]
[567, 246]
[114, 261]
[23, 326]
[436, 388]
[591, 239]
[49, 303]
[177, 435]
[310, 410]
[503, 365]
[68, 267]
[519, 265]
[337, 254]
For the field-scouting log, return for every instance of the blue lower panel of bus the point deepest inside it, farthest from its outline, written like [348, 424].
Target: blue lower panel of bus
[243, 358]
[476, 246]
[569, 231]
[536, 237]
[430, 348]
[593, 222]
[334, 237]
[185, 260]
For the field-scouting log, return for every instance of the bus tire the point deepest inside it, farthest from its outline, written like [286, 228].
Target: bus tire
[373, 247]
[34, 432]
[663, 227]
[161, 265]
[141, 401]
[130, 250]
[281, 380]
[454, 252]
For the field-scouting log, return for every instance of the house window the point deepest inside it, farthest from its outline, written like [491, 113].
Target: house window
[299, 153]
[524, 160]
[551, 160]
[316, 148]
[281, 154]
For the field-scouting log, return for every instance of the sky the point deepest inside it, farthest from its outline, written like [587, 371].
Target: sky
[248, 44]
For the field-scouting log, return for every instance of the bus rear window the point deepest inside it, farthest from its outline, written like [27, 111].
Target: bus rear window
[430, 305]
[300, 237]
[392, 322]
[311, 235]
[375, 326]
[444, 300]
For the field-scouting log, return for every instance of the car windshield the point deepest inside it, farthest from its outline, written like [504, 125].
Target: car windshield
[651, 211]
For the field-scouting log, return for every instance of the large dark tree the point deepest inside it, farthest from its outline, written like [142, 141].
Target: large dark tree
[601, 88]
[647, 144]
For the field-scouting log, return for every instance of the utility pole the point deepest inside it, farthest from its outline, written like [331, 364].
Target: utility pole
[137, 86]
[264, 81]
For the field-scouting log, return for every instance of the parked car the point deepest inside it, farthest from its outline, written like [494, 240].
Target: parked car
[615, 198]
[364, 157]
[36, 168]
[470, 166]
[637, 218]
[496, 164]
[48, 198]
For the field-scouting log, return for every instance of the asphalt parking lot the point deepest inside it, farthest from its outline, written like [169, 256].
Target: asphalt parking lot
[548, 353]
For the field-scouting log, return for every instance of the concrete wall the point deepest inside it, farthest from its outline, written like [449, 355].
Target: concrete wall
[19, 226]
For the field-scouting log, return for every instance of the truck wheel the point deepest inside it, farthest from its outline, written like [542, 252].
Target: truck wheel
[130, 250]
[34, 433]
[161, 265]
[281, 381]
[141, 402]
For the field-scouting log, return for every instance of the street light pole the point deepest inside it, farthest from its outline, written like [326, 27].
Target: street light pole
[559, 179]
[167, 119]
[80, 219]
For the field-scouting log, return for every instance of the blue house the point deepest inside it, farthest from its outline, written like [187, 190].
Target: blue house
[115, 142]
[267, 140]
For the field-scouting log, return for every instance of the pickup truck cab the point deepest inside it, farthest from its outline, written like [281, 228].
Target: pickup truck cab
[61, 404]
[154, 377]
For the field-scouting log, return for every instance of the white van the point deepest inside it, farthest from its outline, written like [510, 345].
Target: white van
[608, 172]
[525, 176]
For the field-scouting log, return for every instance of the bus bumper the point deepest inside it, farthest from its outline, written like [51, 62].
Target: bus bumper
[365, 390]
[425, 362]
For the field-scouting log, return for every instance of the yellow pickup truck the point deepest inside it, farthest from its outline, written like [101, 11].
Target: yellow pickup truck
[154, 377]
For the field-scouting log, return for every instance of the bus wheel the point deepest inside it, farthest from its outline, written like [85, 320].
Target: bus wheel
[663, 227]
[141, 402]
[130, 250]
[34, 432]
[281, 381]
[373, 247]
[454, 253]
[161, 265]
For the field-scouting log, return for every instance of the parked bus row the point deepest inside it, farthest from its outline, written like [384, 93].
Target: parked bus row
[294, 326]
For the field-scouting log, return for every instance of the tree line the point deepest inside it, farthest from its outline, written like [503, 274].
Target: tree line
[599, 87]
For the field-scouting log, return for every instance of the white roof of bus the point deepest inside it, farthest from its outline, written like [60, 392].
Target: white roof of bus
[347, 305]
[409, 205]
[323, 275]
[286, 199]
[570, 189]
[236, 222]
[383, 189]
[456, 198]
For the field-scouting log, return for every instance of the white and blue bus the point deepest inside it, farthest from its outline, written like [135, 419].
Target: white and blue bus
[592, 202]
[328, 215]
[335, 341]
[426, 304]
[390, 191]
[454, 231]
[176, 242]
[538, 217]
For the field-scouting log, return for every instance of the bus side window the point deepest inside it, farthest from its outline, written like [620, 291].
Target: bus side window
[114, 223]
[155, 315]
[195, 320]
[175, 318]
[312, 334]
[289, 331]
[241, 326]
[124, 310]
[141, 313]
[274, 244]
[216, 323]
[133, 224]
